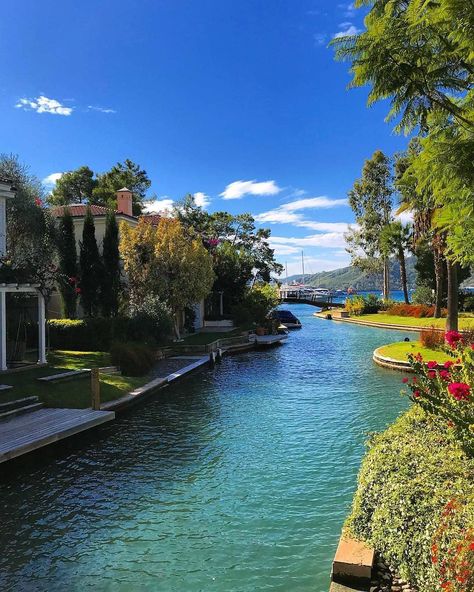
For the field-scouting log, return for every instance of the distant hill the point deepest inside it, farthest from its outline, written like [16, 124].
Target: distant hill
[346, 277]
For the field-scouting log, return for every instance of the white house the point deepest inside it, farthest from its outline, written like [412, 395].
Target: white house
[7, 191]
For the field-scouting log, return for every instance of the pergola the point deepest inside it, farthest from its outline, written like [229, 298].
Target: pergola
[7, 191]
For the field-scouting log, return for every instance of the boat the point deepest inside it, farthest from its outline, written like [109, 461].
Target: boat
[286, 318]
[267, 340]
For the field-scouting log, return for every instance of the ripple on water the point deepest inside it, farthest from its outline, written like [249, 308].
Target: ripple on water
[235, 480]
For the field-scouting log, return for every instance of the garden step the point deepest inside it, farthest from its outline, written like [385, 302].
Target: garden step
[5, 387]
[65, 375]
[353, 561]
[18, 403]
[21, 410]
[109, 370]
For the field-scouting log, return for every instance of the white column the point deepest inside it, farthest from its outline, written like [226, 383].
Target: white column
[3, 331]
[41, 330]
[3, 227]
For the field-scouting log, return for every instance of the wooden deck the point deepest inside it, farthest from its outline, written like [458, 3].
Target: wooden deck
[28, 432]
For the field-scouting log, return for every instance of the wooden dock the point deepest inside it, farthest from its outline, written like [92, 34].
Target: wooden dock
[31, 431]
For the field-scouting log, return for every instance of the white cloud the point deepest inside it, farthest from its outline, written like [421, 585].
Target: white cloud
[42, 104]
[320, 39]
[405, 217]
[100, 109]
[238, 189]
[162, 204]
[312, 265]
[52, 179]
[202, 200]
[331, 240]
[288, 214]
[351, 30]
[349, 9]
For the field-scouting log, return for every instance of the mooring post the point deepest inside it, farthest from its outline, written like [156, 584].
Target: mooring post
[95, 389]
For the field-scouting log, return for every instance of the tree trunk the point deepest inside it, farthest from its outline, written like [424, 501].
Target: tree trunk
[452, 319]
[439, 278]
[403, 274]
[176, 325]
[386, 279]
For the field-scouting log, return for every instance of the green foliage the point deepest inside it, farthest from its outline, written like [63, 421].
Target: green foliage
[31, 231]
[134, 359]
[423, 295]
[256, 304]
[110, 284]
[358, 305]
[127, 174]
[151, 321]
[73, 187]
[91, 270]
[91, 334]
[67, 265]
[408, 477]
[468, 305]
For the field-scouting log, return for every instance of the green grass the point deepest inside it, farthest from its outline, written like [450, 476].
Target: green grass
[464, 322]
[73, 393]
[400, 350]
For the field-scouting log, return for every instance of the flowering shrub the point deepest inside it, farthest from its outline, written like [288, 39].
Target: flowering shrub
[413, 310]
[448, 391]
[432, 338]
[357, 305]
[454, 559]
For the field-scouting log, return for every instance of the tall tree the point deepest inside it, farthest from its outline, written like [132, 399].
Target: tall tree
[67, 265]
[127, 174]
[396, 239]
[371, 200]
[184, 268]
[73, 187]
[90, 267]
[166, 262]
[111, 273]
[31, 230]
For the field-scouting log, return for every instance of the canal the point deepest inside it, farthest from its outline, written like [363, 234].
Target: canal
[237, 479]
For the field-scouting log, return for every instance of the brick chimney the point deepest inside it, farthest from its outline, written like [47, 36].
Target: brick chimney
[124, 201]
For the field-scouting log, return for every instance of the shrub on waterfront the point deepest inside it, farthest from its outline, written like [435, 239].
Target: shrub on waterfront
[358, 305]
[134, 359]
[418, 311]
[432, 338]
[151, 321]
[415, 503]
[257, 303]
[448, 392]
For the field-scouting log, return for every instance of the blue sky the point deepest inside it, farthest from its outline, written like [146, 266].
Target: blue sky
[239, 102]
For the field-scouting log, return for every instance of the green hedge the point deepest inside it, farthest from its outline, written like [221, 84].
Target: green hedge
[98, 334]
[409, 475]
[134, 359]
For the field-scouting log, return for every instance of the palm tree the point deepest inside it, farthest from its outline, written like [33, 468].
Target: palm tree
[396, 239]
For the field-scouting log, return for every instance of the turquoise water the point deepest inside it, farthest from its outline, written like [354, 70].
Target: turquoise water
[237, 479]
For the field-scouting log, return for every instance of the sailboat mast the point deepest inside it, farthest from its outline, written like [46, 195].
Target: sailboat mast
[286, 269]
[302, 265]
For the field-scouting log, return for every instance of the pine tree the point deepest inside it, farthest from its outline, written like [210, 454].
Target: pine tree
[68, 265]
[90, 267]
[111, 273]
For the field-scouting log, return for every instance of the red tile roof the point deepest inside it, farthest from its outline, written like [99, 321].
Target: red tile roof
[80, 210]
[153, 219]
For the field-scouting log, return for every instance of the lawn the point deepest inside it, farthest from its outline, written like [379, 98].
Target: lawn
[464, 322]
[400, 350]
[71, 393]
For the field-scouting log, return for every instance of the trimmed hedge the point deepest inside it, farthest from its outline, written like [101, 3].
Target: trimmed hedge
[418, 311]
[134, 359]
[98, 333]
[415, 503]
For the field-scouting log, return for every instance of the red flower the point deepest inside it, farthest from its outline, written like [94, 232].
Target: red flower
[419, 357]
[38, 202]
[405, 380]
[78, 290]
[431, 374]
[415, 379]
[472, 345]
[448, 364]
[417, 394]
[445, 375]
[453, 338]
[431, 364]
[471, 546]
[459, 390]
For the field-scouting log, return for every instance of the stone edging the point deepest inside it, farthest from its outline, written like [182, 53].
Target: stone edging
[391, 363]
[382, 325]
